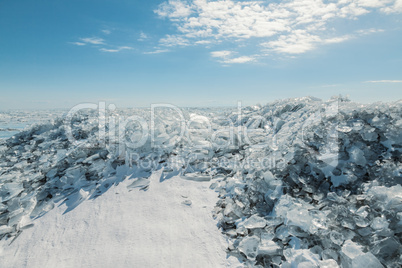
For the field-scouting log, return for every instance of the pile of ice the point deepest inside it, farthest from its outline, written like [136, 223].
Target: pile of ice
[59, 163]
[334, 195]
[38, 168]
[302, 182]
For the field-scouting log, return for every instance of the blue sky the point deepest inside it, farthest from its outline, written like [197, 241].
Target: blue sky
[56, 54]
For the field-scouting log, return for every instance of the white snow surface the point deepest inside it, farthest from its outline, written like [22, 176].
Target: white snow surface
[124, 228]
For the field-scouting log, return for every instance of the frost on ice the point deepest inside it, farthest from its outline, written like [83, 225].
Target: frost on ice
[329, 193]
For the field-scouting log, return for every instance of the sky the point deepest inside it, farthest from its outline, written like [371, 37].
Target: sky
[131, 53]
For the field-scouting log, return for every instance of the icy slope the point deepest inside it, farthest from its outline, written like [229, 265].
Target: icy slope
[122, 228]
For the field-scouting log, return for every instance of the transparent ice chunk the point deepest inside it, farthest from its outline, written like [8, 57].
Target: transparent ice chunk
[10, 190]
[255, 222]
[249, 246]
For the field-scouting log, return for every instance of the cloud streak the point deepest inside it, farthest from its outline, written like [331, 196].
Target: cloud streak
[115, 50]
[96, 42]
[225, 56]
[385, 81]
[78, 43]
[93, 40]
[157, 51]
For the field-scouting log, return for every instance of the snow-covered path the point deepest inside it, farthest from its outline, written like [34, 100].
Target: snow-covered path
[125, 228]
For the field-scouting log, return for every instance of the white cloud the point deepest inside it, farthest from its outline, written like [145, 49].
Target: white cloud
[225, 57]
[114, 50]
[395, 8]
[221, 54]
[172, 40]
[385, 81]
[296, 43]
[242, 59]
[338, 39]
[109, 50]
[106, 31]
[143, 37]
[373, 3]
[292, 27]
[203, 42]
[245, 19]
[96, 41]
[158, 51]
[300, 41]
[173, 9]
[78, 43]
[93, 40]
[125, 48]
[370, 31]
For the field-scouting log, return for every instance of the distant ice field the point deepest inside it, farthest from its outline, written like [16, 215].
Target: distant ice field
[14, 121]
